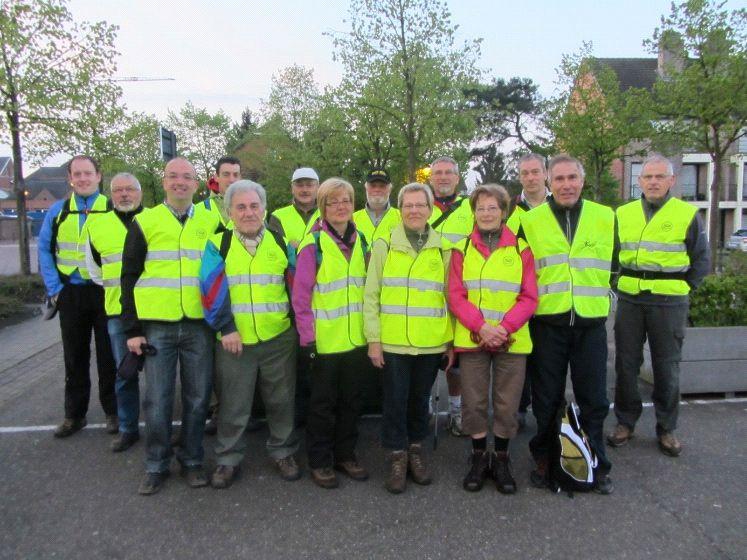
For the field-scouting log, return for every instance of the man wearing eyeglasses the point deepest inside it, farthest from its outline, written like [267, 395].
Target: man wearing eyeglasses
[161, 307]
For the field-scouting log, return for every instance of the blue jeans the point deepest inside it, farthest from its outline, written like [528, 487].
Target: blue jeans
[127, 390]
[190, 344]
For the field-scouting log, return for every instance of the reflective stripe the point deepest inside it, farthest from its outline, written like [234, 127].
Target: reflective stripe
[583, 262]
[413, 311]
[111, 282]
[551, 260]
[260, 307]
[399, 282]
[629, 246]
[658, 268]
[162, 255]
[191, 281]
[326, 287]
[654, 246]
[330, 314]
[592, 291]
[497, 285]
[194, 254]
[110, 259]
[257, 279]
[554, 288]
[158, 283]
[453, 237]
[66, 246]
[71, 262]
[492, 315]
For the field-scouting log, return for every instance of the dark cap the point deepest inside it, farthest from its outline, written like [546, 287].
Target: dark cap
[378, 174]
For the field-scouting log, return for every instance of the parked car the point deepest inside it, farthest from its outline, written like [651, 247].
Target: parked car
[738, 241]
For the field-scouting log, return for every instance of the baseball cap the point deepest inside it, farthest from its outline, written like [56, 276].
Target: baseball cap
[304, 173]
[378, 174]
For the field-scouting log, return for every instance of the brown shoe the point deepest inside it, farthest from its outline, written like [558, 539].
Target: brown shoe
[353, 469]
[416, 465]
[224, 476]
[669, 444]
[538, 477]
[620, 435]
[397, 479]
[288, 468]
[112, 424]
[195, 476]
[324, 477]
[69, 426]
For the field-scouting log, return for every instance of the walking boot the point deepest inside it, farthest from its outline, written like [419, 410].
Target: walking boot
[504, 480]
[416, 465]
[478, 471]
[397, 479]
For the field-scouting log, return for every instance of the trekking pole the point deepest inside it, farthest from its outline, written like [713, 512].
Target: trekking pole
[436, 411]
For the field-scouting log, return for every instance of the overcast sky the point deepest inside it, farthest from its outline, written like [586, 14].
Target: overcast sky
[222, 54]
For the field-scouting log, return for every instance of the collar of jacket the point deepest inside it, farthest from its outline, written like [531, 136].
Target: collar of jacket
[399, 239]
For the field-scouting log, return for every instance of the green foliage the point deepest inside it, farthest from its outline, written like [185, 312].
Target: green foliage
[720, 301]
[18, 290]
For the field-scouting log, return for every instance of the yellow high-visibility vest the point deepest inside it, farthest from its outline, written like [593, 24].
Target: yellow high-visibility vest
[70, 251]
[294, 228]
[459, 223]
[384, 229]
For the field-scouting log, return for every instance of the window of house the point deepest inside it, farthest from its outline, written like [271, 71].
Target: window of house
[635, 189]
[689, 181]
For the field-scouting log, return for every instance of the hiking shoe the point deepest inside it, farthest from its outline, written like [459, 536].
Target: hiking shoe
[124, 441]
[353, 469]
[619, 436]
[669, 444]
[288, 468]
[416, 465]
[455, 424]
[478, 471]
[504, 479]
[223, 476]
[324, 477]
[112, 424]
[195, 476]
[603, 484]
[397, 479]
[152, 483]
[211, 426]
[538, 477]
[69, 426]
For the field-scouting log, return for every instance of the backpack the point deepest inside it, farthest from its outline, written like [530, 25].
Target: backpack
[572, 459]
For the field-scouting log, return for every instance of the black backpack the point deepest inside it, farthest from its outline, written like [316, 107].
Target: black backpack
[572, 459]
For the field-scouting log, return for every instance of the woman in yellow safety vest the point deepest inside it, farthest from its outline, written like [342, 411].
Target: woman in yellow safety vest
[328, 303]
[408, 330]
[492, 293]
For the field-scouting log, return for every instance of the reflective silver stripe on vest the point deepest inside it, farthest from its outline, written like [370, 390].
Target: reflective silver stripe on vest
[326, 287]
[492, 315]
[413, 311]
[583, 262]
[173, 283]
[654, 246]
[191, 281]
[194, 254]
[67, 246]
[400, 282]
[453, 237]
[336, 313]
[653, 267]
[71, 262]
[162, 256]
[111, 282]
[258, 279]
[497, 285]
[555, 288]
[281, 307]
[591, 291]
[550, 260]
[110, 259]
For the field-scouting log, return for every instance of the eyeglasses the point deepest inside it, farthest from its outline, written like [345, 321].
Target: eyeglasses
[338, 203]
[184, 176]
[418, 206]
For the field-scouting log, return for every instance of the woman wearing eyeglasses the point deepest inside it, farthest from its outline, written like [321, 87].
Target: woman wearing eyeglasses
[492, 294]
[408, 330]
[328, 303]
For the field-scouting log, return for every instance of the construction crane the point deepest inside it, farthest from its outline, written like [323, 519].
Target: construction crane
[141, 79]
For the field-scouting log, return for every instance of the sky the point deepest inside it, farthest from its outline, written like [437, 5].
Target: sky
[222, 54]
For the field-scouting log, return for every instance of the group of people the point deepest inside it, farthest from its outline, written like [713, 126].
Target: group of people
[502, 295]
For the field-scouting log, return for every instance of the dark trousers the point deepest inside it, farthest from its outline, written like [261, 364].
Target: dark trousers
[334, 408]
[304, 366]
[585, 349]
[406, 388]
[664, 326]
[81, 308]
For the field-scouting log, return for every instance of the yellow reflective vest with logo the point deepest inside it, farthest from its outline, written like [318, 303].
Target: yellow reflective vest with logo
[656, 246]
[256, 285]
[413, 309]
[577, 276]
[337, 299]
[514, 221]
[169, 287]
[70, 254]
[373, 232]
[457, 225]
[294, 228]
[107, 235]
[493, 286]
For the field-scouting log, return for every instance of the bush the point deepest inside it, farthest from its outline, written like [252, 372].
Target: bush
[720, 300]
[18, 290]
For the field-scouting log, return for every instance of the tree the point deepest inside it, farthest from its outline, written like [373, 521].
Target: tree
[54, 82]
[703, 99]
[595, 120]
[201, 137]
[294, 99]
[407, 48]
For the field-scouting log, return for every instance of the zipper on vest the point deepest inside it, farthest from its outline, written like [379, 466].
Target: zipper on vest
[570, 274]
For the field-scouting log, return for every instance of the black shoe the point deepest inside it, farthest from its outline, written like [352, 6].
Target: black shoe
[69, 426]
[195, 476]
[479, 470]
[152, 483]
[124, 441]
[504, 480]
[603, 484]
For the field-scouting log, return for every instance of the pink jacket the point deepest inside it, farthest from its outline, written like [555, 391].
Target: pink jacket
[466, 312]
